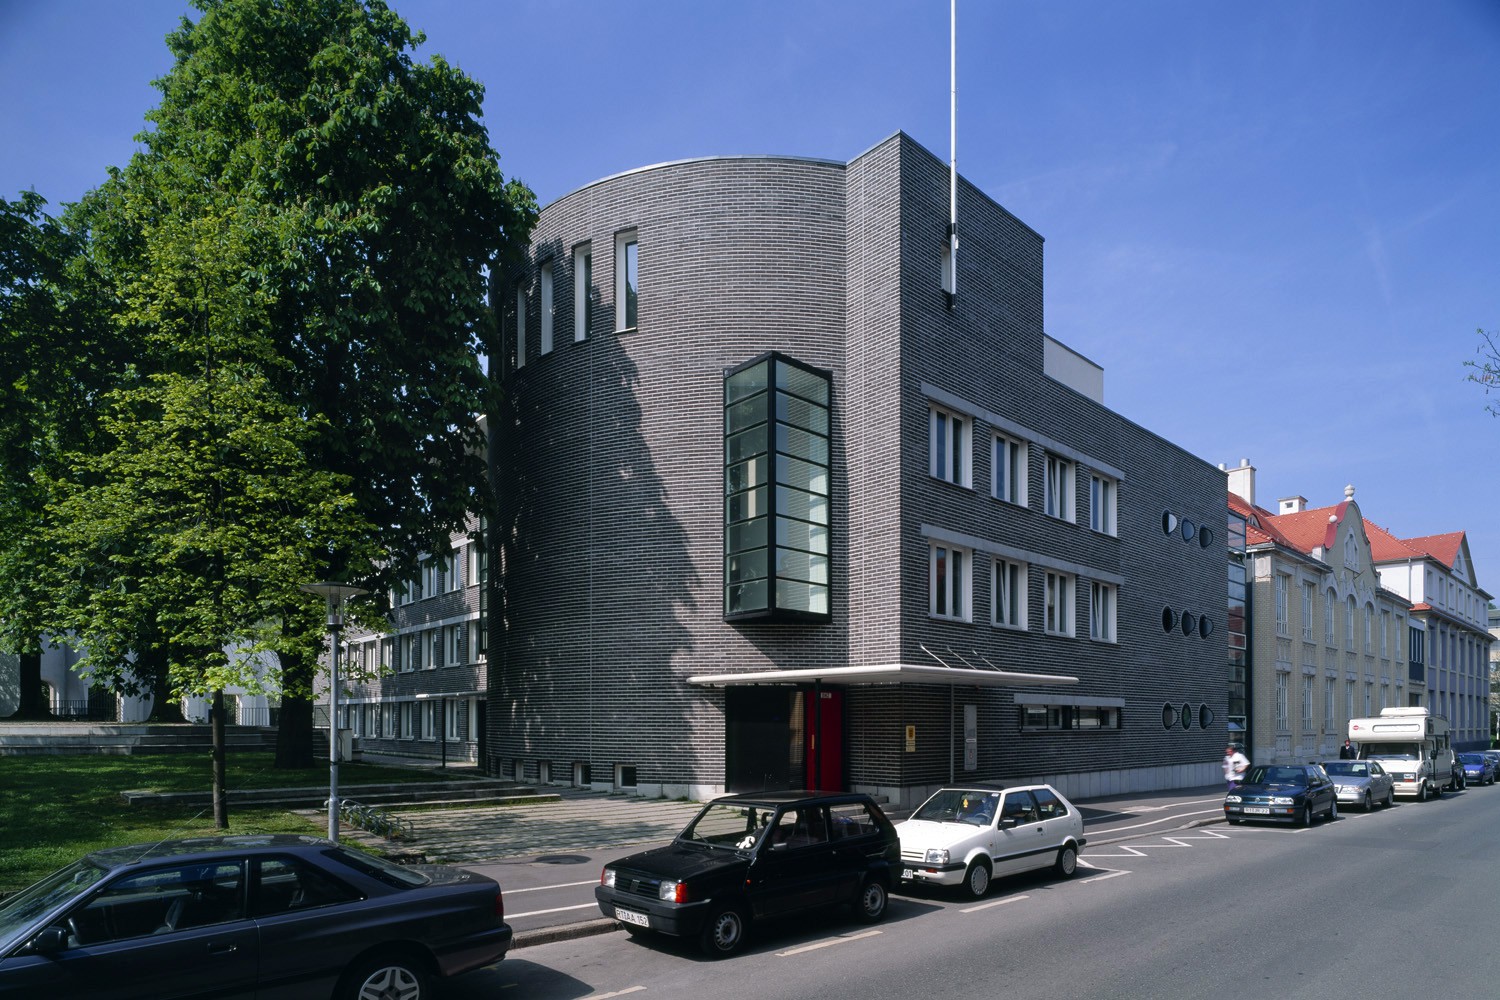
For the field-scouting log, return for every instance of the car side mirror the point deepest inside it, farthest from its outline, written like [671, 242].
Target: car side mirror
[50, 941]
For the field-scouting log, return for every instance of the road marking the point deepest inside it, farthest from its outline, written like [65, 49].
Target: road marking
[1131, 852]
[1100, 878]
[995, 902]
[560, 885]
[1165, 819]
[555, 909]
[616, 993]
[829, 943]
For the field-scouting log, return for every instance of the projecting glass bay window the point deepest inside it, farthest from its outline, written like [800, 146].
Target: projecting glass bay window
[776, 491]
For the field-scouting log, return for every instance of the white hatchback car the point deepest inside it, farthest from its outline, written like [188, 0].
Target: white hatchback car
[967, 836]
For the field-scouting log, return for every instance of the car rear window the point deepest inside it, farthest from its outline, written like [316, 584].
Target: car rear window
[377, 868]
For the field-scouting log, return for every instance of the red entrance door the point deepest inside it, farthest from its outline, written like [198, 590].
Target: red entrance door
[824, 739]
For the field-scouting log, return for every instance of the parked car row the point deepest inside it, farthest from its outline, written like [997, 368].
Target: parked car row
[1300, 793]
[750, 857]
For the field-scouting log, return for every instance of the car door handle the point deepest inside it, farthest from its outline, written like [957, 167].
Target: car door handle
[222, 949]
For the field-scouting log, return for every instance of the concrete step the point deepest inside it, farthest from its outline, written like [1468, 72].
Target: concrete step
[489, 791]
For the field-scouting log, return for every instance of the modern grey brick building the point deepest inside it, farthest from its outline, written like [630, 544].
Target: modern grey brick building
[755, 459]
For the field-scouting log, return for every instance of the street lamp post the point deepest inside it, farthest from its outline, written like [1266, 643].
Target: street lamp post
[335, 594]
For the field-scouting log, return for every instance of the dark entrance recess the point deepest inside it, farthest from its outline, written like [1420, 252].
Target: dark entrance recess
[769, 739]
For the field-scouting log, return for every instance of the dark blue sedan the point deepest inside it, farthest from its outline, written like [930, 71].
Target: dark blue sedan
[1284, 793]
[1479, 769]
[290, 917]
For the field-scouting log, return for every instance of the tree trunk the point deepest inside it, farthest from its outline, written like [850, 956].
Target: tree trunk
[221, 796]
[294, 727]
[33, 704]
[164, 707]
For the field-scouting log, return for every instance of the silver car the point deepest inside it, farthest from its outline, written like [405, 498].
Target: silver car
[1362, 783]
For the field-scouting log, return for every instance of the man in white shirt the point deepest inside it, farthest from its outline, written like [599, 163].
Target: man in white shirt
[1235, 766]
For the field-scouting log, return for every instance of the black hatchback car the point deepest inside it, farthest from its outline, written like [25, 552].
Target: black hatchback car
[1284, 793]
[290, 917]
[754, 856]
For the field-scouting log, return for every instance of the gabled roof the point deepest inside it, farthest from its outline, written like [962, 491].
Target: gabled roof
[1386, 547]
[1443, 548]
[1314, 528]
[1259, 529]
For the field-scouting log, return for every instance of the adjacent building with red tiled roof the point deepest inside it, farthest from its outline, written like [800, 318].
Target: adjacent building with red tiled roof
[1326, 641]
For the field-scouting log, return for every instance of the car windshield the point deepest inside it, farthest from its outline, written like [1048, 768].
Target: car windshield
[1391, 751]
[1471, 758]
[18, 912]
[736, 825]
[1276, 776]
[1348, 768]
[959, 805]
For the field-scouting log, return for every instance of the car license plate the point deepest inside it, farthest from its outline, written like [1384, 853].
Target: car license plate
[1258, 810]
[906, 873]
[632, 917]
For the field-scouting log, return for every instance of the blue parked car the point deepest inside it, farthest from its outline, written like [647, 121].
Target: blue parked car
[1479, 769]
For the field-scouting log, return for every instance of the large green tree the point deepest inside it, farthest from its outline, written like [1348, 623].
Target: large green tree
[304, 237]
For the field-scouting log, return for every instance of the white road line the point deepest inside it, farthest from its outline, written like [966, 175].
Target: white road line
[555, 909]
[1130, 852]
[616, 993]
[560, 885]
[995, 902]
[1101, 878]
[842, 938]
[1165, 819]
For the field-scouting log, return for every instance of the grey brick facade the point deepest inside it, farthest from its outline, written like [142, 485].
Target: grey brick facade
[609, 458]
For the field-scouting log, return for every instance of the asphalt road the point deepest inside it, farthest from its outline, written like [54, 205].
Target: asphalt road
[1393, 905]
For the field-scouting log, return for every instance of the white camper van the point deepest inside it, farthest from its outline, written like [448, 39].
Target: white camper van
[1413, 747]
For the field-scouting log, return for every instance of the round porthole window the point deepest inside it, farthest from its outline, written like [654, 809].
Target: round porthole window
[1205, 716]
[1205, 626]
[1188, 623]
[1168, 522]
[1168, 716]
[1205, 537]
[1187, 716]
[1188, 528]
[1168, 619]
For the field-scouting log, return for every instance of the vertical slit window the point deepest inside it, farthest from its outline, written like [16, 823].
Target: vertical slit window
[627, 282]
[546, 308]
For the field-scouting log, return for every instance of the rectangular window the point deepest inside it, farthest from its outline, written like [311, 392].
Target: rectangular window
[1282, 720]
[454, 654]
[546, 309]
[435, 644]
[386, 647]
[521, 324]
[413, 651]
[1369, 631]
[948, 444]
[583, 294]
[1330, 693]
[1102, 493]
[948, 581]
[476, 647]
[1307, 611]
[1101, 611]
[1059, 603]
[1059, 497]
[1307, 706]
[1349, 700]
[1075, 717]
[1008, 470]
[1010, 594]
[406, 721]
[451, 709]
[1281, 609]
[627, 282]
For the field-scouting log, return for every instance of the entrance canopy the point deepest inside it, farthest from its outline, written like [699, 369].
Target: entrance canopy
[891, 673]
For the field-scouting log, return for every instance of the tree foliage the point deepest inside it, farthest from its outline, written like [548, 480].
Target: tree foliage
[290, 276]
[1485, 368]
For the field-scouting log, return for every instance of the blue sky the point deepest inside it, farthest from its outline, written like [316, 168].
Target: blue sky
[1276, 225]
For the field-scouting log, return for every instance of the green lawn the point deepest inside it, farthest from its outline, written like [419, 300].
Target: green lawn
[53, 809]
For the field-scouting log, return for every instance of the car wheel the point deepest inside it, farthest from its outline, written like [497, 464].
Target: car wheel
[1369, 802]
[388, 979]
[724, 933]
[1333, 810]
[1067, 861]
[1306, 818]
[1422, 792]
[977, 878]
[872, 901]
[1390, 797]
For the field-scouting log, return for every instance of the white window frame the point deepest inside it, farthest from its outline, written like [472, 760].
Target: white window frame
[1061, 613]
[453, 654]
[429, 728]
[1058, 489]
[1008, 577]
[451, 708]
[623, 242]
[1330, 636]
[1330, 694]
[1283, 721]
[949, 444]
[1307, 707]
[950, 569]
[434, 639]
[546, 308]
[1103, 513]
[583, 273]
[1307, 610]
[1103, 601]
[1008, 468]
[1282, 581]
[476, 650]
[521, 324]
